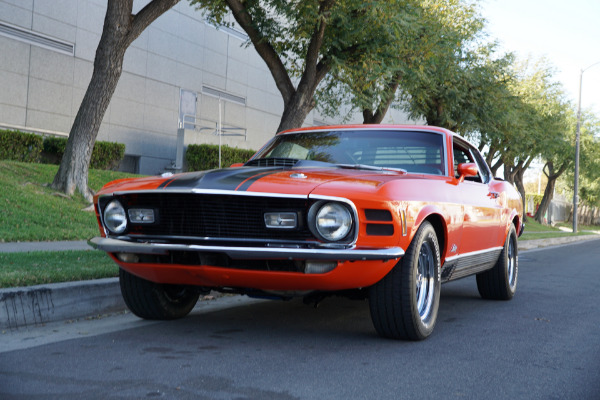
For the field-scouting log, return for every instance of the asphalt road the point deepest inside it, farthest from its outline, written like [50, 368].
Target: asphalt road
[544, 344]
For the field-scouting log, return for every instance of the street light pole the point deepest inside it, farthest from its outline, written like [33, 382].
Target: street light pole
[577, 135]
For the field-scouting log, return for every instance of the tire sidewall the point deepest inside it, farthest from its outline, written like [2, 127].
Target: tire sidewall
[511, 238]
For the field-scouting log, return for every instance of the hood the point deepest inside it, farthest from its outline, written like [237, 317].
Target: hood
[296, 180]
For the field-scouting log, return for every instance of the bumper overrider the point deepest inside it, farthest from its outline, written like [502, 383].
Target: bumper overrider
[110, 245]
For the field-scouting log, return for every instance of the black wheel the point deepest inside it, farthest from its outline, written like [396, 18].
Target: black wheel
[500, 282]
[404, 304]
[151, 300]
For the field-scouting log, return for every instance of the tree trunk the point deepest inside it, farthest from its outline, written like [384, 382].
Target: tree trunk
[120, 29]
[298, 102]
[545, 203]
[375, 117]
[549, 191]
[295, 110]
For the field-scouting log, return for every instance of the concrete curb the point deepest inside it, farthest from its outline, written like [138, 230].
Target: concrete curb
[35, 305]
[540, 243]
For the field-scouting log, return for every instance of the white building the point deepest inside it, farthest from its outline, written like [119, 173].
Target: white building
[179, 65]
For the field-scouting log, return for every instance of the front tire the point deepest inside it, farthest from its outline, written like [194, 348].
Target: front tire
[404, 304]
[500, 282]
[151, 300]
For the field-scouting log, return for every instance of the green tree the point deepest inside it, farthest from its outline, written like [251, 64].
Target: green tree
[589, 161]
[537, 124]
[430, 54]
[303, 41]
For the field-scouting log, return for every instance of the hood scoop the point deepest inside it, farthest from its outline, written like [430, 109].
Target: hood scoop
[272, 162]
[287, 163]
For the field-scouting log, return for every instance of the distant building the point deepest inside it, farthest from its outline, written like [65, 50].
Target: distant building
[180, 71]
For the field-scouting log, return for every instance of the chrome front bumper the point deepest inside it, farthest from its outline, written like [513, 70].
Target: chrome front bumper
[258, 253]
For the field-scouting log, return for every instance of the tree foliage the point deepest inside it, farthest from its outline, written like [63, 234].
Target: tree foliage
[302, 42]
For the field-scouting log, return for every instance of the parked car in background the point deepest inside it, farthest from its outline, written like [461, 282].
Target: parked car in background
[384, 213]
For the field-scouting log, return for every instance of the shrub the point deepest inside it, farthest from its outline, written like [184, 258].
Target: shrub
[20, 146]
[106, 155]
[201, 157]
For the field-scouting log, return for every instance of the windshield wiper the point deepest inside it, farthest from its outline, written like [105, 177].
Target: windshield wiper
[370, 167]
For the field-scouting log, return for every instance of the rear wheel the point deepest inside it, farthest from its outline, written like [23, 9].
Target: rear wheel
[151, 300]
[404, 304]
[500, 282]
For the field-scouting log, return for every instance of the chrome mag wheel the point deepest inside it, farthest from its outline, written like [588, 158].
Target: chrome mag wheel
[425, 281]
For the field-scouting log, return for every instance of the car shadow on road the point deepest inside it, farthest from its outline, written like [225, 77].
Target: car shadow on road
[335, 319]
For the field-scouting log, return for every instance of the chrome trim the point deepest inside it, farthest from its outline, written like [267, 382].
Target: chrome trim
[208, 191]
[352, 208]
[353, 254]
[473, 253]
[164, 238]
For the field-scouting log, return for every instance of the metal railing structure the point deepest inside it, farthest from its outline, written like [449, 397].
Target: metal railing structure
[211, 127]
[206, 126]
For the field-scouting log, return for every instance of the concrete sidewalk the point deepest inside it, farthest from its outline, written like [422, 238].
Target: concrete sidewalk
[24, 247]
[35, 305]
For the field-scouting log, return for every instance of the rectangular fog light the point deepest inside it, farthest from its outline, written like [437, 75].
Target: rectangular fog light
[281, 220]
[319, 267]
[141, 215]
[128, 257]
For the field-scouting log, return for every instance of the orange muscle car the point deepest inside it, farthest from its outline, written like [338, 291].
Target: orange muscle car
[381, 212]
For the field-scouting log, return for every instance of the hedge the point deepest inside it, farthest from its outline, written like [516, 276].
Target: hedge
[20, 146]
[106, 155]
[29, 147]
[201, 157]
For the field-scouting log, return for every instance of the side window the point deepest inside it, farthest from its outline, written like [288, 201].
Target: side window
[463, 154]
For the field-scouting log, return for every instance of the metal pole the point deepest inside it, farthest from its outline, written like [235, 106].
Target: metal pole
[219, 132]
[577, 136]
[576, 188]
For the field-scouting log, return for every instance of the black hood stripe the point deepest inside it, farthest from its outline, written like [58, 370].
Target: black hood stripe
[248, 182]
[239, 179]
[166, 183]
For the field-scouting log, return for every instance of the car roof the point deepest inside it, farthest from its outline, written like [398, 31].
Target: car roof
[424, 128]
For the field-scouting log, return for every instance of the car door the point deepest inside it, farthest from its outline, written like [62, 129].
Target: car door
[482, 212]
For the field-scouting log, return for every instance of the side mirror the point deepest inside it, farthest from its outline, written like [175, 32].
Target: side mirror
[236, 165]
[467, 169]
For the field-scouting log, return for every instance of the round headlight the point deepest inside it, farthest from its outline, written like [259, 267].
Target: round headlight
[333, 221]
[115, 218]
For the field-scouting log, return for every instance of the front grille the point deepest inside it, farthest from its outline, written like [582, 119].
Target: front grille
[215, 216]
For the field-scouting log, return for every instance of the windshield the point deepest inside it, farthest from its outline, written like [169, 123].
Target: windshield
[413, 151]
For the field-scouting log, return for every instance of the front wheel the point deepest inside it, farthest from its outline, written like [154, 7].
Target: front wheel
[404, 304]
[151, 300]
[500, 282]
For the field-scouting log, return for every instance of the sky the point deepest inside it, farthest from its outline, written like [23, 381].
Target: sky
[566, 32]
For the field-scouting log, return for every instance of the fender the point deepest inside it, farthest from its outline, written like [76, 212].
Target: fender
[425, 213]
[519, 226]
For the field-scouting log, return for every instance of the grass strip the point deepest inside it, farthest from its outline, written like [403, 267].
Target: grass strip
[550, 235]
[35, 268]
[535, 230]
[31, 211]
